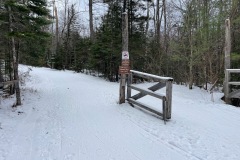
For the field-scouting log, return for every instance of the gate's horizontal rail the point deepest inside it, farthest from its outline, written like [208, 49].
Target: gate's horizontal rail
[233, 70]
[234, 83]
[151, 76]
[9, 82]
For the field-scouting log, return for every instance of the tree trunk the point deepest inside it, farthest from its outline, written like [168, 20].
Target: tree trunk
[165, 26]
[57, 28]
[165, 43]
[147, 23]
[227, 50]
[53, 40]
[159, 20]
[124, 48]
[92, 35]
[65, 16]
[11, 73]
[191, 61]
[15, 60]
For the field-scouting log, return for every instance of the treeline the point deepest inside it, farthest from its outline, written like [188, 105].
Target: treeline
[182, 39]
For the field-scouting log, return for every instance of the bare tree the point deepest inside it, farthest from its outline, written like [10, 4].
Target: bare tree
[92, 35]
[15, 59]
[158, 21]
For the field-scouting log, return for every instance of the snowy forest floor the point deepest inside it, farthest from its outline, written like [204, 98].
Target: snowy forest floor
[73, 116]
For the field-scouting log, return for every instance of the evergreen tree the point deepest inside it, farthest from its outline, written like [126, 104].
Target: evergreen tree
[106, 51]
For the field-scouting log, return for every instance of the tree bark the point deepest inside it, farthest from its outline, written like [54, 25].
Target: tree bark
[15, 60]
[147, 23]
[65, 17]
[227, 50]
[191, 61]
[92, 34]
[159, 20]
[57, 27]
[165, 26]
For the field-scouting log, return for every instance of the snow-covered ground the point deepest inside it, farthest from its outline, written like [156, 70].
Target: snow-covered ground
[73, 116]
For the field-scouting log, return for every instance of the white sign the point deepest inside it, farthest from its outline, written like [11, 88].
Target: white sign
[125, 55]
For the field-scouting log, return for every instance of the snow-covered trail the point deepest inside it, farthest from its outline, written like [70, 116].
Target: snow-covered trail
[74, 116]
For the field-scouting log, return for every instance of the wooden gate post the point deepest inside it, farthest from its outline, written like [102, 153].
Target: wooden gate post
[125, 54]
[168, 99]
[129, 83]
[227, 51]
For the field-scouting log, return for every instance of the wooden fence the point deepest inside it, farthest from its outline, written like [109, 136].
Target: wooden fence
[8, 82]
[227, 92]
[5, 89]
[162, 82]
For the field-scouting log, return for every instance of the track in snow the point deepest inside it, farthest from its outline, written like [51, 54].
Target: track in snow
[76, 117]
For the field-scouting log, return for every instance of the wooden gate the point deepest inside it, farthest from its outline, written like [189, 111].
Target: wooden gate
[161, 83]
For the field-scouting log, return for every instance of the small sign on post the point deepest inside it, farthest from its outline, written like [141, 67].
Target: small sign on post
[125, 67]
[125, 55]
[124, 70]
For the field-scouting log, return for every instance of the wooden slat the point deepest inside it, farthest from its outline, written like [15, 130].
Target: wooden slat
[138, 96]
[152, 88]
[144, 107]
[122, 89]
[157, 86]
[151, 93]
[233, 70]
[129, 83]
[169, 99]
[151, 76]
[9, 82]
[234, 83]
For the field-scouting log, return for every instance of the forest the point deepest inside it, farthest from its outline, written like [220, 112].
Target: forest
[183, 39]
